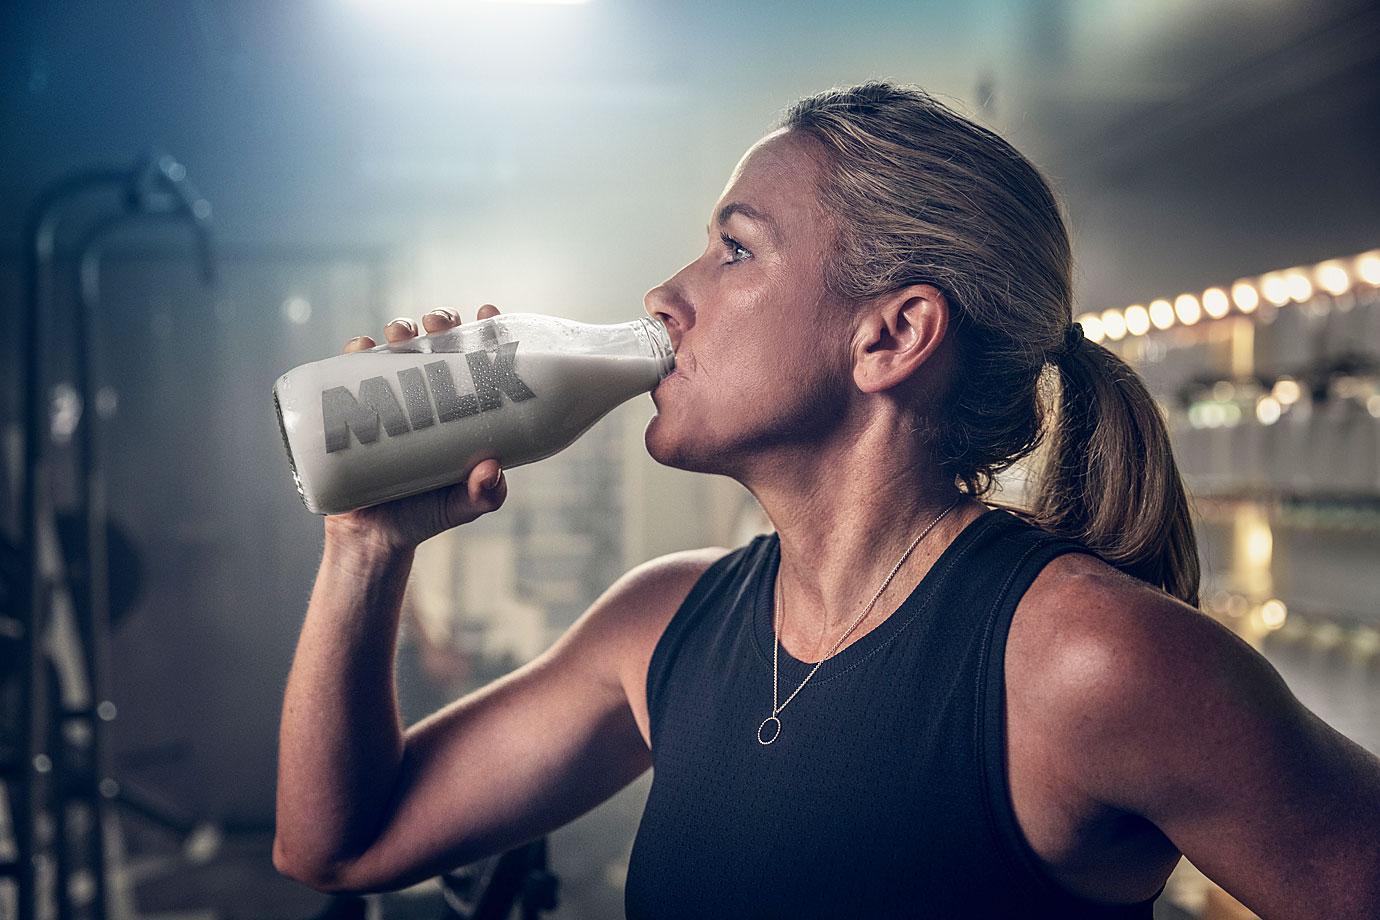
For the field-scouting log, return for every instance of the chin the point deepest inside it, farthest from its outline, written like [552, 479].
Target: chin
[679, 450]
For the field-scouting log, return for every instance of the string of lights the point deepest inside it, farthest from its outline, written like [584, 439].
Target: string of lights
[1335, 277]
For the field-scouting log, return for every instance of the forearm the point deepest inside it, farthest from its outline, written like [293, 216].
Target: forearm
[341, 739]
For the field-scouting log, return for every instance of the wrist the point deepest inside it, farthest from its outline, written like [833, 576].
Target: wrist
[363, 547]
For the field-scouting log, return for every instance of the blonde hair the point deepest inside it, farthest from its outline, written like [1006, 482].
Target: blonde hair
[920, 194]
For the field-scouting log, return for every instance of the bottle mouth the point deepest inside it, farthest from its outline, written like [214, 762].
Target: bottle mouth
[662, 349]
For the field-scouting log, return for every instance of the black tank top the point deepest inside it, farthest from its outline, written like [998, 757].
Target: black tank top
[885, 794]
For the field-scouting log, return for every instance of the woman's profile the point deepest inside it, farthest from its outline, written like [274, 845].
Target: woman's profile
[907, 700]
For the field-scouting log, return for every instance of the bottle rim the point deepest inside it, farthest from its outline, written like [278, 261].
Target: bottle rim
[662, 349]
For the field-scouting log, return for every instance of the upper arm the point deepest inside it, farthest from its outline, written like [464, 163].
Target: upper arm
[1182, 722]
[532, 750]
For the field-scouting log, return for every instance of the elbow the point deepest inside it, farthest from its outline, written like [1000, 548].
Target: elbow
[322, 875]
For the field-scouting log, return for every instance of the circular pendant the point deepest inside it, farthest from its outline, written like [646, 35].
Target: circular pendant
[776, 732]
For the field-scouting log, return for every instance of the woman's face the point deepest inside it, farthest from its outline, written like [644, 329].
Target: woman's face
[761, 348]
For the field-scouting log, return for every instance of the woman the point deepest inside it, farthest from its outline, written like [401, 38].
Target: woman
[907, 701]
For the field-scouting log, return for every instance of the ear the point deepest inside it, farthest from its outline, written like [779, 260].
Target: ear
[897, 334]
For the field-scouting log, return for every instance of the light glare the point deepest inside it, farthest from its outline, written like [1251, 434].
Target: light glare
[1092, 326]
[1113, 324]
[1137, 320]
[1332, 277]
[1368, 267]
[1267, 410]
[1161, 314]
[1275, 287]
[1300, 288]
[1273, 613]
[1245, 296]
[1187, 309]
[1215, 302]
[1287, 391]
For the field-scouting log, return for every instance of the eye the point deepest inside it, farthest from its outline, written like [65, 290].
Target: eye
[733, 247]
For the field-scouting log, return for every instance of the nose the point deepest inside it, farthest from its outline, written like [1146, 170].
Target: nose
[667, 305]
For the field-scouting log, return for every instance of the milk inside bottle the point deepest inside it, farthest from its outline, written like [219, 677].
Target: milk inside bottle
[406, 417]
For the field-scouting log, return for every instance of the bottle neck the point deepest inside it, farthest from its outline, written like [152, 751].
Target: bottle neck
[658, 342]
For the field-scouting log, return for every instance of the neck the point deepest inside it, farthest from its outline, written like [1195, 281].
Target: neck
[846, 511]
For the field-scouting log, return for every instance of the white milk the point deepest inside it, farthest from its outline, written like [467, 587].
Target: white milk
[385, 437]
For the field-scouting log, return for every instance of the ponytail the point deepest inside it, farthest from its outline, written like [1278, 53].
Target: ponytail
[1108, 478]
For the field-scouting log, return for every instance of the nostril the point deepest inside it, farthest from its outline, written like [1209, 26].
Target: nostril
[667, 304]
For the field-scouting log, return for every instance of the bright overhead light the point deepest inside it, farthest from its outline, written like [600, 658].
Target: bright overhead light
[1187, 309]
[1300, 288]
[1114, 324]
[1368, 267]
[1161, 314]
[1215, 302]
[1275, 287]
[1137, 320]
[1332, 277]
[1245, 296]
[1092, 326]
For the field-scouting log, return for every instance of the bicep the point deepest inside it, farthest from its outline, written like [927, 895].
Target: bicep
[1195, 731]
[529, 752]
[507, 763]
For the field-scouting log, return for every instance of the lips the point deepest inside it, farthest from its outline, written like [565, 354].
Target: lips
[674, 375]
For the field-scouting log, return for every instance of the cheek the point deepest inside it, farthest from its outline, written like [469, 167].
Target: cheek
[766, 384]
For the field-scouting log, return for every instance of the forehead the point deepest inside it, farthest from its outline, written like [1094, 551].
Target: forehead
[778, 176]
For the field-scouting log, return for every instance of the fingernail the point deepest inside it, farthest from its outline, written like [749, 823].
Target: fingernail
[493, 481]
[441, 313]
[404, 322]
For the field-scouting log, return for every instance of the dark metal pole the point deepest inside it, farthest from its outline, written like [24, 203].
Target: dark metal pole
[23, 774]
[97, 786]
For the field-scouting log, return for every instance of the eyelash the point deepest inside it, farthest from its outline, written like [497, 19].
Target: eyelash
[733, 245]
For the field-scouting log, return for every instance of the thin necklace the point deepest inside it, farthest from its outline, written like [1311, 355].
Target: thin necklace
[776, 646]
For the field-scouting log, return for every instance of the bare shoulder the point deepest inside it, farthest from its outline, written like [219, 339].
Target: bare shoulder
[1105, 665]
[1093, 636]
[1085, 619]
[1160, 711]
[628, 618]
[644, 599]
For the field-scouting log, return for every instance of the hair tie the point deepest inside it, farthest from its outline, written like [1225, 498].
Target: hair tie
[1073, 337]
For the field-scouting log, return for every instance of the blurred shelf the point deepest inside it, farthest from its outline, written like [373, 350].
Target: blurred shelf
[1332, 511]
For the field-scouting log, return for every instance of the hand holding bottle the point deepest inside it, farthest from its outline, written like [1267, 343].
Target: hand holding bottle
[405, 522]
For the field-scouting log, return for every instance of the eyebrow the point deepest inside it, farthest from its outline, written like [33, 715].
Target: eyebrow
[751, 213]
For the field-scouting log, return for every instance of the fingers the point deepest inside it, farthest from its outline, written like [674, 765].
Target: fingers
[359, 343]
[440, 320]
[400, 329]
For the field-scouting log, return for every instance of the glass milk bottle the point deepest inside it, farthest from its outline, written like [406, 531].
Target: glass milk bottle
[411, 416]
